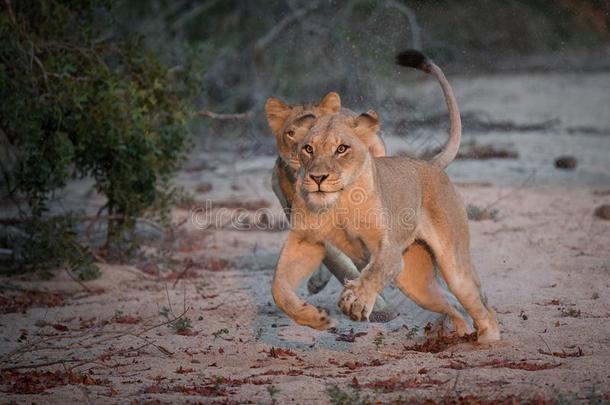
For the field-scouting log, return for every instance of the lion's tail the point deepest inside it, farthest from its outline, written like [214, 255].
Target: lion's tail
[418, 60]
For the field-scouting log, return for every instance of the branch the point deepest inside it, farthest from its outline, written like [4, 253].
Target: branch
[410, 14]
[97, 217]
[76, 280]
[266, 39]
[11, 14]
[192, 13]
[226, 117]
[85, 52]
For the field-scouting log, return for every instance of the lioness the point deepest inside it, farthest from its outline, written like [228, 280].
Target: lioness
[284, 121]
[383, 212]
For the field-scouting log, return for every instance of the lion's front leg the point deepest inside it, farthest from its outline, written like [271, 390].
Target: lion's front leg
[297, 261]
[358, 296]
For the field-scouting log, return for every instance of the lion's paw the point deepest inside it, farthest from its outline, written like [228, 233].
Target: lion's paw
[317, 318]
[488, 335]
[488, 331]
[354, 303]
[324, 321]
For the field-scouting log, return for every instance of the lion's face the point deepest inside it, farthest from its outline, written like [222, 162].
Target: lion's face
[333, 156]
[287, 125]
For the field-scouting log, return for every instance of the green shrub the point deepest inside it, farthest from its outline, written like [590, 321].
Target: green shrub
[80, 101]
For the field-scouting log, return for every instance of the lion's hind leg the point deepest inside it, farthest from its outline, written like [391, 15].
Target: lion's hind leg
[446, 232]
[318, 280]
[418, 281]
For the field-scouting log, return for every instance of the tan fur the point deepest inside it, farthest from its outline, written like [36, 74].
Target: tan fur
[289, 126]
[287, 123]
[283, 119]
[403, 207]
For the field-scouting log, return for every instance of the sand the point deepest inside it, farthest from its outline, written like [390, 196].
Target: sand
[543, 260]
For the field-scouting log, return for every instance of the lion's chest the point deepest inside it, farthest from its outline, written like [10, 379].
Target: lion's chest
[353, 231]
[352, 246]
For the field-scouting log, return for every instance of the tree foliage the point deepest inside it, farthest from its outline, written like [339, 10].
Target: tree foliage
[79, 100]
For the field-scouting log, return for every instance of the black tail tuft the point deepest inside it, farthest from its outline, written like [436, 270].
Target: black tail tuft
[414, 59]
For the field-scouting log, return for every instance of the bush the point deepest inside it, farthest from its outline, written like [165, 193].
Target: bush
[80, 101]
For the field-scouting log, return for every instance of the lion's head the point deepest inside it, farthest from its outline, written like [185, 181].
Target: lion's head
[333, 154]
[284, 121]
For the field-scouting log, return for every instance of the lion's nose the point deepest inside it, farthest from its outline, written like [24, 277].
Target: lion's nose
[318, 178]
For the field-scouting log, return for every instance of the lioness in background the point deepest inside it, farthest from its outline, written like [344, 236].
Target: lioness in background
[406, 207]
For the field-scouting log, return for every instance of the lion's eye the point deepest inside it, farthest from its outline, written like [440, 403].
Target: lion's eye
[289, 134]
[308, 149]
[342, 149]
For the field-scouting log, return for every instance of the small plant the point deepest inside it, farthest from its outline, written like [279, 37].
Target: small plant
[183, 198]
[338, 396]
[272, 390]
[43, 244]
[86, 270]
[595, 397]
[379, 340]
[220, 332]
[476, 213]
[181, 324]
[570, 312]
[164, 312]
[259, 334]
[118, 313]
[413, 332]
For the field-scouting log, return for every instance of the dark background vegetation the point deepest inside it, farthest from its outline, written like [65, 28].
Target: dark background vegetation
[117, 91]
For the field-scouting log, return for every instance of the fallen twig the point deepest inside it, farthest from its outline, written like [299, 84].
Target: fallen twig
[547, 346]
[82, 389]
[107, 354]
[563, 354]
[521, 186]
[81, 362]
[29, 346]
[188, 264]
[158, 347]
[77, 281]
[38, 365]
[211, 308]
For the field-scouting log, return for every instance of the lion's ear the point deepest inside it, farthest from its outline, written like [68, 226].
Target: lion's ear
[366, 127]
[305, 122]
[367, 124]
[331, 103]
[277, 113]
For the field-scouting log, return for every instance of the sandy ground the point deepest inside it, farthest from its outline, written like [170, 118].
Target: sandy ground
[543, 260]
